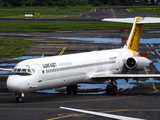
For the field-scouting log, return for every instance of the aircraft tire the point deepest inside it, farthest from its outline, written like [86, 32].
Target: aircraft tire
[114, 89]
[108, 89]
[68, 90]
[74, 89]
[19, 100]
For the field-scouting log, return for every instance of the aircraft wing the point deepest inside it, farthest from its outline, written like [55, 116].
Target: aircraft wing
[131, 20]
[115, 117]
[124, 76]
[5, 69]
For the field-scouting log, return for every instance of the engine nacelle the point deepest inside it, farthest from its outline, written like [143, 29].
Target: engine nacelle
[137, 63]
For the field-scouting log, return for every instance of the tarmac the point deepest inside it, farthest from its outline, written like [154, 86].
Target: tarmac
[140, 101]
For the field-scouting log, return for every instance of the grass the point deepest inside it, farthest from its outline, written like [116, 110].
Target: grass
[34, 26]
[49, 12]
[45, 12]
[13, 47]
[42, 15]
[145, 10]
[49, 9]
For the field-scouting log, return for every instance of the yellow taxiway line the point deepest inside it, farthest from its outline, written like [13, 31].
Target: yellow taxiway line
[127, 10]
[126, 35]
[62, 51]
[154, 87]
[109, 111]
[113, 13]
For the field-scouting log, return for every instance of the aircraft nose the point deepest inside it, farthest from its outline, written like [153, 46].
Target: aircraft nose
[13, 84]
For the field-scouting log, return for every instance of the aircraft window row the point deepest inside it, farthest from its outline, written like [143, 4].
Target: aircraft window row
[23, 72]
[78, 66]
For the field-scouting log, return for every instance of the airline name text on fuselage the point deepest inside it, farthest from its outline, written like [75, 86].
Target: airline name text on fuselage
[49, 65]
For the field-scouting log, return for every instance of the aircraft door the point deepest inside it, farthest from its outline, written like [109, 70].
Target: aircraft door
[40, 73]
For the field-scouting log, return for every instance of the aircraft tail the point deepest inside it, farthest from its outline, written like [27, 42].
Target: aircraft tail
[135, 35]
[137, 28]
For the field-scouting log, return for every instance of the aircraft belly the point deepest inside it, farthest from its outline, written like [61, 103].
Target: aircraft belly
[62, 79]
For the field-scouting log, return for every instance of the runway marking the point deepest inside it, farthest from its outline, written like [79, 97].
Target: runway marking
[127, 10]
[112, 111]
[154, 87]
[59, 117]
[101, 110]
[113, 13]
[76, 100]
[62, 51]
[71, 115]
[115, 110]
[126, 35]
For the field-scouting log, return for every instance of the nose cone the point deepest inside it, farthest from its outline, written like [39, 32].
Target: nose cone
[13, 84]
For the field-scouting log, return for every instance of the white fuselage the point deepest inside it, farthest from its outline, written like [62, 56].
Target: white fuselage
[58, 71]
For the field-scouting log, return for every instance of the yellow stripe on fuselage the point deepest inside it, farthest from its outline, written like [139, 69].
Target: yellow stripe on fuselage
[135, 53]
[135, 35]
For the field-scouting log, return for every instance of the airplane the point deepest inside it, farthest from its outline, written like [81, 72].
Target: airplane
[88, 67]
[105, 115]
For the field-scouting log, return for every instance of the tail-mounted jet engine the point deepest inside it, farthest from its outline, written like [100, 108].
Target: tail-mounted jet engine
[137, 63]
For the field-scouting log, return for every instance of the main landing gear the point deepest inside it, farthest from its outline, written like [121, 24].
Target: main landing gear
[72, 89]
[111, 88]
[20, 97]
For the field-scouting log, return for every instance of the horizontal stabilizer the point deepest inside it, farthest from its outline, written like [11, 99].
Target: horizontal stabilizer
[146, 20]
[115, 117]
[124, 76]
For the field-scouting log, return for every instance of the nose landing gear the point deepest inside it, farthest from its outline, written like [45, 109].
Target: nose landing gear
[20, 98]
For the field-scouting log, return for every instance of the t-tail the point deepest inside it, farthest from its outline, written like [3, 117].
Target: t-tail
[137, 28]
[135, 35]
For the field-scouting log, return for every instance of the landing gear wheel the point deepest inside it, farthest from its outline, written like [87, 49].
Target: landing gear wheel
[114, 89]
[19, 100]
[111, 89]
[108, 90]
[72, 89]
[68, 90]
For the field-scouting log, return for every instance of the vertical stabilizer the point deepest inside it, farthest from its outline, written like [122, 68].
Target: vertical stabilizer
[135, 35]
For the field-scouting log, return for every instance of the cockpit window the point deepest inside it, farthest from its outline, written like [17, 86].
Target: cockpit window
[23, 72]
[18, 70]
[29, 70]
[33, 70]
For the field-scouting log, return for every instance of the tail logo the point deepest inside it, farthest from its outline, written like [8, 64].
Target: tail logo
[133, 37]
